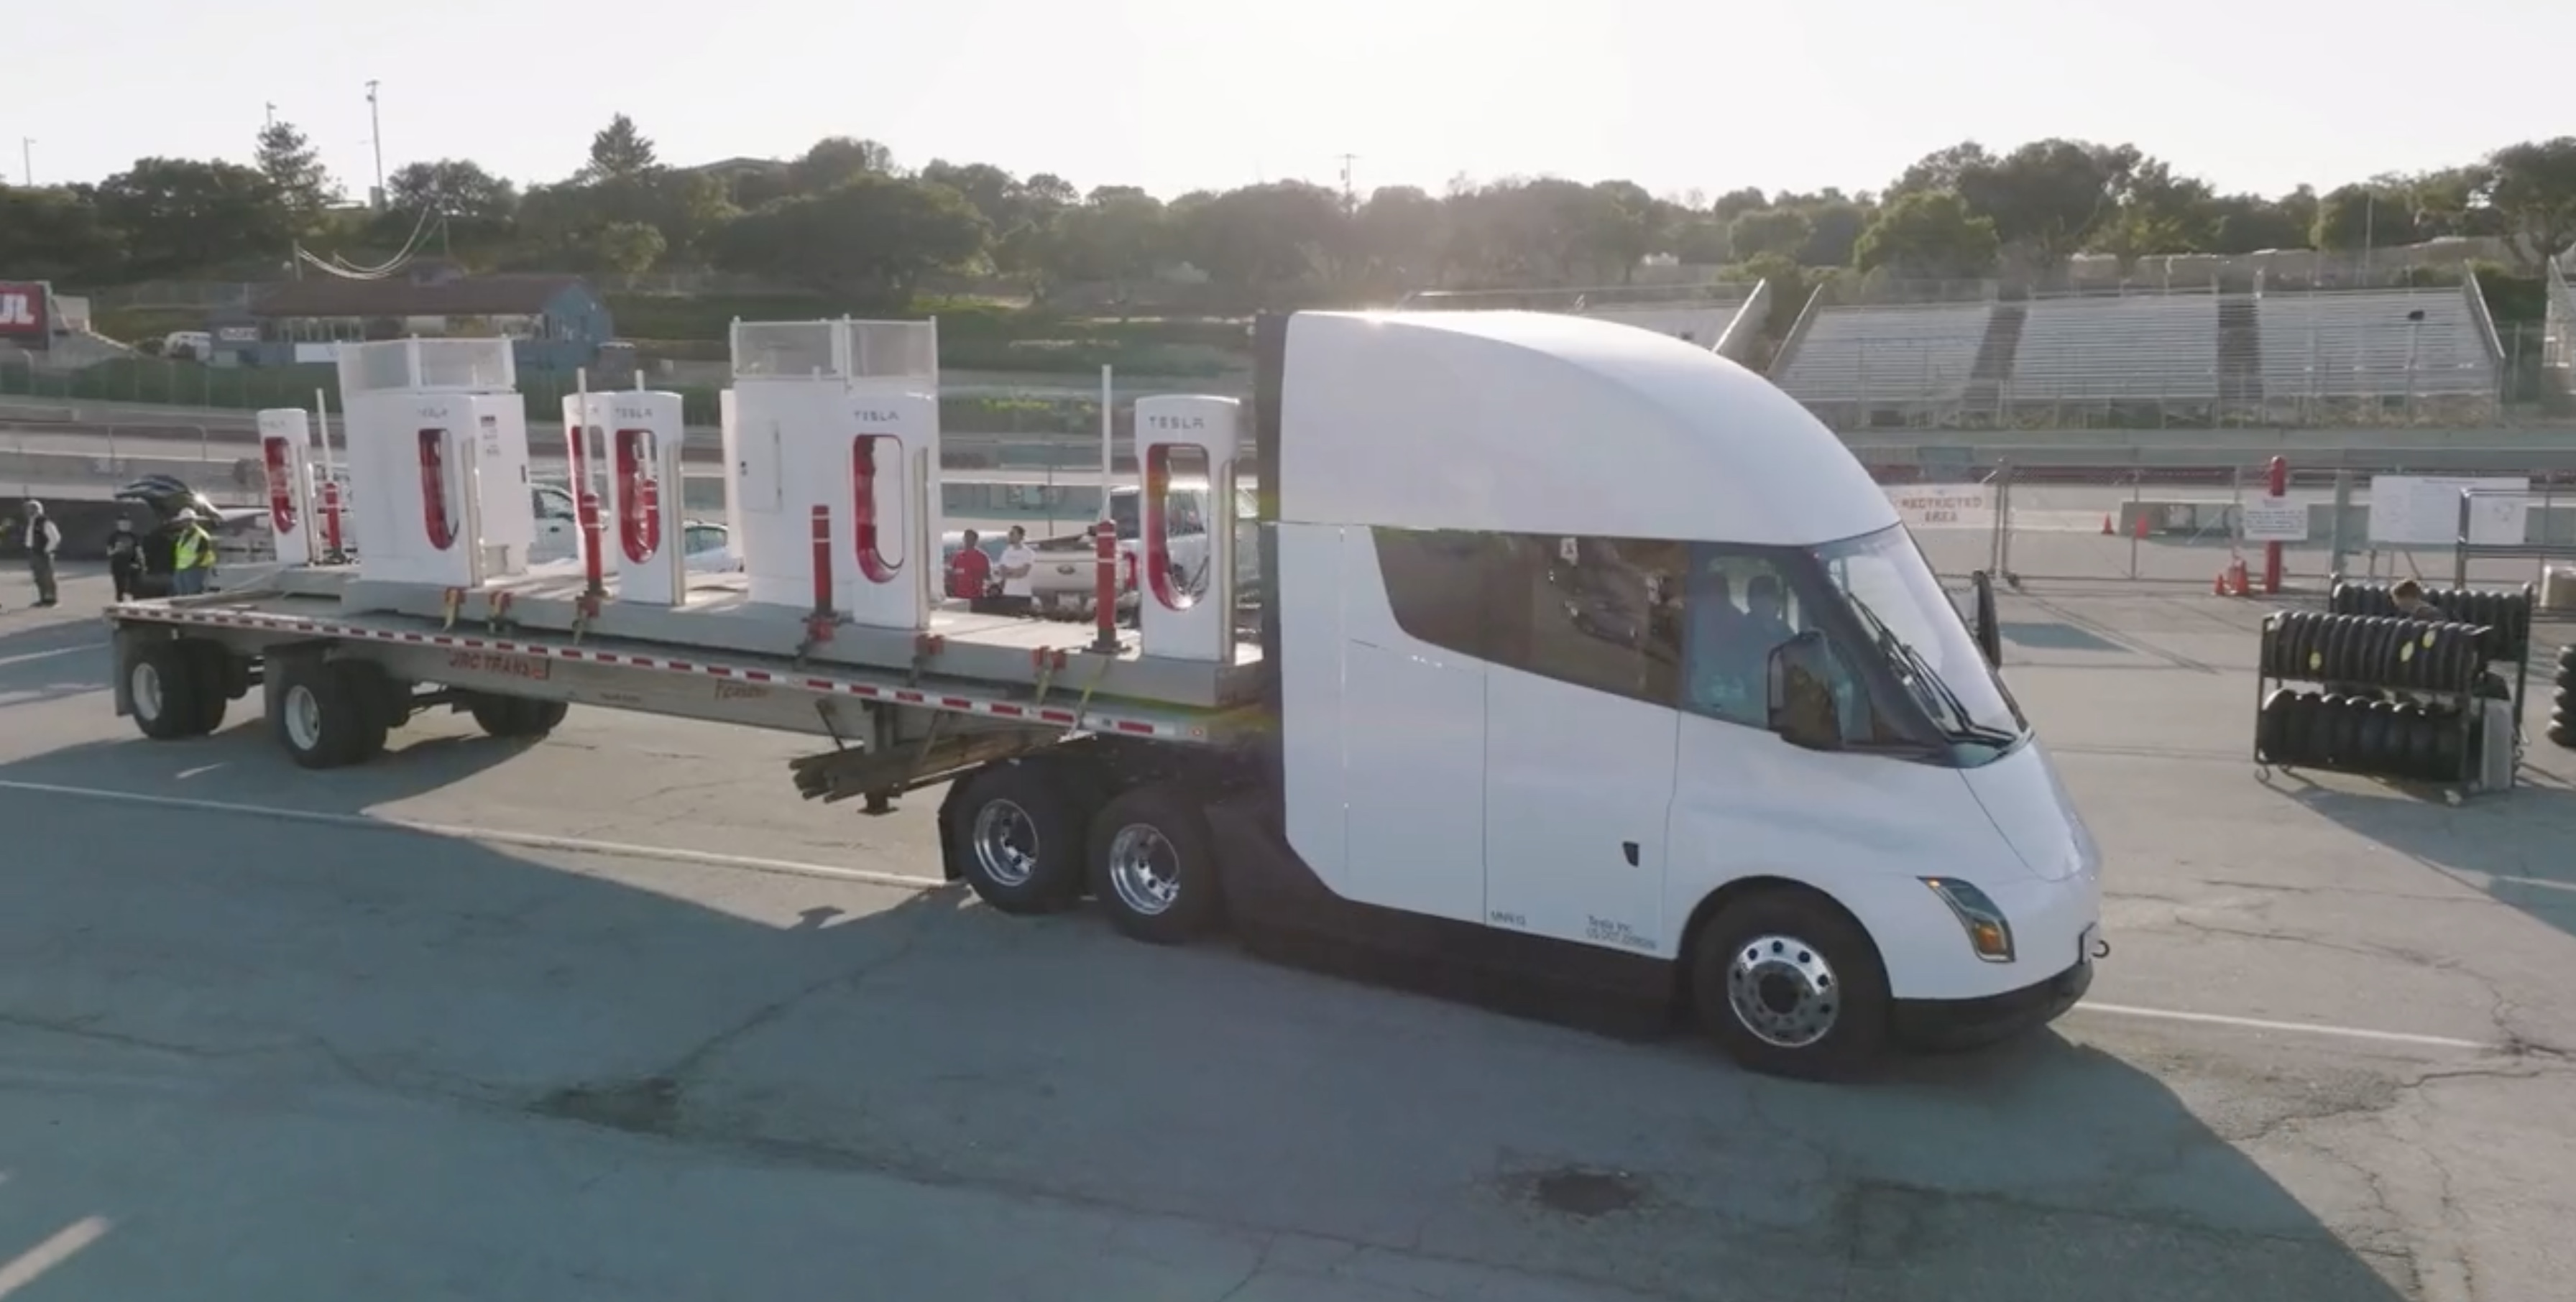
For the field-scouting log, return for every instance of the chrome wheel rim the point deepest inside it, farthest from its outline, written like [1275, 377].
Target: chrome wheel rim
[303, 713]
[1006, 843]
[1144, 869]
[145, 686]
[1783, 991]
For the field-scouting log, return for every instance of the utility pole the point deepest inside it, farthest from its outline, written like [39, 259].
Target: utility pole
[27, 159]
[376, 132]
[1350, 194]
[272, 114]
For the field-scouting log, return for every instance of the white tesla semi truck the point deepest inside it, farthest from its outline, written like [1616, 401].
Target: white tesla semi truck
[1593, 675]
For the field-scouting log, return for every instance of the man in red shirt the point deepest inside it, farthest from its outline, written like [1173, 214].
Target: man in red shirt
[970, 571]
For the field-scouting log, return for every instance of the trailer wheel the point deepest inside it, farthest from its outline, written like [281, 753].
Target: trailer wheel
[1017, 831]
[516, 716]
[1788, 985]
[175, 689]
[1153, 866]
[327, 714]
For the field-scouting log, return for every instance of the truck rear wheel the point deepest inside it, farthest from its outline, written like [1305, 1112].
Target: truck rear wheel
[177, 689]
[516, 716]
[1788, 985]
[327, 714]
[1016, 832]
[1153, 866]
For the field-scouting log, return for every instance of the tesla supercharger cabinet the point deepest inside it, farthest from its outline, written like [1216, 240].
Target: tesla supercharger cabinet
[586, 474]
[285, 452]
[836, 461]
[1185, 609]
[643, 533]
[729, 430]
[438, 449]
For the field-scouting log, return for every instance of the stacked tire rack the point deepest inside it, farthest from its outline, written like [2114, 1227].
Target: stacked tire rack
[2406, 699]
[2506, 612]
[2562, 702]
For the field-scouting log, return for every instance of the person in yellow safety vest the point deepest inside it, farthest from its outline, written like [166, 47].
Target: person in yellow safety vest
[192, 556]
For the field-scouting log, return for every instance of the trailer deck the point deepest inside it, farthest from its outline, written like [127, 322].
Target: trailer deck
[486, 641]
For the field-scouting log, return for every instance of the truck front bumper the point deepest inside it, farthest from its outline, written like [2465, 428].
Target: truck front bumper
[1945, 1024]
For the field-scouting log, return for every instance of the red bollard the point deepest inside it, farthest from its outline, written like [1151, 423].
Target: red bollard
[2278, 486]
[331, 518]
[586, 510]
[1105, 592]
[822, 561]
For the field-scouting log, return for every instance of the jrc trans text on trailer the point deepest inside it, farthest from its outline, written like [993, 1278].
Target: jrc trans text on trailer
[1589, 674]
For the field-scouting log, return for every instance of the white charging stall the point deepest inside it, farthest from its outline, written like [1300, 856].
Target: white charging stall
[285, 451]
[644, 535]
[1186, 610]
[437, 442]
[834, 455]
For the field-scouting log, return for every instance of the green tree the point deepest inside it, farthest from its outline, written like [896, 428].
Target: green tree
[1929, 235]
[620, 152]
[630, 248]
[1834, 226]
[2158, 213]
[834, 161]
[867, 241]
[55, 233]
[182, 217]
[2364, 215]
[294, 168]
[2047, 198]
[1784, 231]
[1261, 236]
[2533, 188]
[1401, 231]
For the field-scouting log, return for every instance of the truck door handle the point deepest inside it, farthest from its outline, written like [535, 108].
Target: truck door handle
[1629, 848]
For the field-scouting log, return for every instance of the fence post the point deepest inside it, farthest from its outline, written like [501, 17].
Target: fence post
[2335, 543]
[2137, 516]
[2277, 486]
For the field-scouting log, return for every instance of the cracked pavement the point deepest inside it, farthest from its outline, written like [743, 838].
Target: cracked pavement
[286, 1060]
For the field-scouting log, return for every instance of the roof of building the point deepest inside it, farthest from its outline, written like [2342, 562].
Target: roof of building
[332, 296]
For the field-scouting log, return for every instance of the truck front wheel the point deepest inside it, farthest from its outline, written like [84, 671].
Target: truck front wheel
[1788, 985]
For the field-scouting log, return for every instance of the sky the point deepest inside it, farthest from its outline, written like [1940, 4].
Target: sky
[1174, 95]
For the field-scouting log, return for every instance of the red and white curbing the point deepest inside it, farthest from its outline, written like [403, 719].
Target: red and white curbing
[1087, 720]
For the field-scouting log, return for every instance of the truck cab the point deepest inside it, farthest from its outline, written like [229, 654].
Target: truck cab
[1598, 660]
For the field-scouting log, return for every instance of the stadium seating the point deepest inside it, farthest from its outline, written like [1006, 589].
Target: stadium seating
[1886, 355]
[2112, 349]
[2364, 344]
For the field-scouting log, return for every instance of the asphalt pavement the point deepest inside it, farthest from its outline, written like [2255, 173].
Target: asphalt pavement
[615, 1016]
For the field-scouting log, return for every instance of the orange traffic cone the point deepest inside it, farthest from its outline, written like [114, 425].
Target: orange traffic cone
[2107, 530]
[2142, 524]
[2218, 584]
[2236, 582]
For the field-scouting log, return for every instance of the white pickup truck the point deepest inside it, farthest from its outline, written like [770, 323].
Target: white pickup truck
[1066, 577]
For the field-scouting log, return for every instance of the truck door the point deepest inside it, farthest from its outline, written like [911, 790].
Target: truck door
[1580, 739]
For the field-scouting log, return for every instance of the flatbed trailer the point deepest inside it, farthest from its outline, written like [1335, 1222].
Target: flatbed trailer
[1507, 730]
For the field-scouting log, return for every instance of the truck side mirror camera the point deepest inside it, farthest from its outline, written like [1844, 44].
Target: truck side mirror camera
[1801, 698]
[1987, 626]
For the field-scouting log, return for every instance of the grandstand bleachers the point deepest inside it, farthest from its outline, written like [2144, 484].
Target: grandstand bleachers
[1886, 355]
[2136, 347]
[2366, 344]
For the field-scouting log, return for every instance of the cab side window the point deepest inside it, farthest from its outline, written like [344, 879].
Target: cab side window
[1736, 606]
[1591, 611]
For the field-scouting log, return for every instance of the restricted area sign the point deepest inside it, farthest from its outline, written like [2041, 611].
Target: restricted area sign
[2274, 519]
[1943, 506]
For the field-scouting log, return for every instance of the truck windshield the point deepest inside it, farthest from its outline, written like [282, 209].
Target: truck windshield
[1900, 605]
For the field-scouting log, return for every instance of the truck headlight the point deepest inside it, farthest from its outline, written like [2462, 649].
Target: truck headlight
[1989, 933]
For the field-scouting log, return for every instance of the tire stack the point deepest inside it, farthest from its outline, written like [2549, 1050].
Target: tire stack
[2427, 732]
[2562, 703]
[2507, 611]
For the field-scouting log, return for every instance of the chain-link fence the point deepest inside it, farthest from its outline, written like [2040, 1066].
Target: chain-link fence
[2085, 517]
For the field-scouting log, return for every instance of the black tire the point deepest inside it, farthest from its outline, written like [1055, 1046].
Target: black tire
[327, 714]
[168, 684]
[1805, 939]
[516, 716]
[1153, 866]
[1017, 837]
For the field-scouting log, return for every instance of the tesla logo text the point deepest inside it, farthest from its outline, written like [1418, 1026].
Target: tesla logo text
[877, 417]
[1176, 422]
[433, 413]
[17, 310]
[633, 413]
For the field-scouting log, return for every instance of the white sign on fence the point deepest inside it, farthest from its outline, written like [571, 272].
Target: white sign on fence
[2274, 519]
[1950, 506]
[2424, 510]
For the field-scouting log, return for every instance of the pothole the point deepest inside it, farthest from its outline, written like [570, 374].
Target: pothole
[650, 1106]
[1582, 1191]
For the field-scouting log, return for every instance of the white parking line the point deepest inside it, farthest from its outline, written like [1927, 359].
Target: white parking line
[2294, 1028]
[792, 868]
[487, 835]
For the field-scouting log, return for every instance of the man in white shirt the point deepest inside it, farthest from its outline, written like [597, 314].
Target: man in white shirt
[43, 538]
[1016, 567]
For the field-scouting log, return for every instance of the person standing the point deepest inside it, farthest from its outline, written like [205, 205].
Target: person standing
[43, 539]
[192, 556]
[125, 560]
[1018, 569]
[970, 571]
